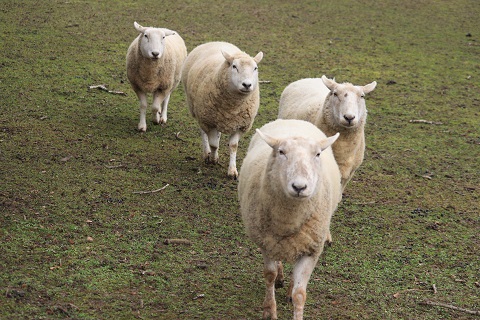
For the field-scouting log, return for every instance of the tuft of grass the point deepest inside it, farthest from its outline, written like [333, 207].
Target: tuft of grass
[79, 242]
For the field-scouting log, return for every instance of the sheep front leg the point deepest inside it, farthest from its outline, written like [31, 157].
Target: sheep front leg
[233, 146]
[160, 100]
[142, 97]
[301, 274]
[270, 271]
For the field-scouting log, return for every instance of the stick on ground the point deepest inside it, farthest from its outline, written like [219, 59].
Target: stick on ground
[445, 305]
[152, 191]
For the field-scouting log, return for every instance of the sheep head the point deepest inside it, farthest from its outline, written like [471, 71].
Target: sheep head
[295, 164]
[347, 102]
[243, 71]
[152, 40]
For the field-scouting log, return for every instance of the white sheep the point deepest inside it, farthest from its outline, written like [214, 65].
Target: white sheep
[154, 63]
[332, 107]
[289, 187]
[221, 86]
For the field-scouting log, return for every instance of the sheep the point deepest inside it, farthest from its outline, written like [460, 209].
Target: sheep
[221, 87]
[154, 62]
[289, 186]
[332, 107]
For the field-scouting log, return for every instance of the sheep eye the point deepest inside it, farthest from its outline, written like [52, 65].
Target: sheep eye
[255, 69]
[362, 96]
[235, 67]
[334, 94]
[281, 152]
[146, 36]
[317, 155]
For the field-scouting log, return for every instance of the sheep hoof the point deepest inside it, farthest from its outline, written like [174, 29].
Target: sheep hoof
[289, 299]
[269, 314]
[142, 128]
[233, 175]
[279, 283]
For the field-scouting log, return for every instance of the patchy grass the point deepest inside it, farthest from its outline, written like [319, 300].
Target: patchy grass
[77, 242]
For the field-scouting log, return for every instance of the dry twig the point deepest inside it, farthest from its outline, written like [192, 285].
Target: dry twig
[102, 87]
[177, 241]
[425, 121]
[445, 305]
[177, 136]
[152, 191]
[114, 167]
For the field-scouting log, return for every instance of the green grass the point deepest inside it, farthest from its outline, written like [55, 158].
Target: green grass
[78, 242]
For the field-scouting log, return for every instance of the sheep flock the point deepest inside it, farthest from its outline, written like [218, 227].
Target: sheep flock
[296, 167]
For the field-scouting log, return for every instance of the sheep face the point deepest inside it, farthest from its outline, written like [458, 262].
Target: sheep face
[347, 102]
[296, 163]
[243, 72]
[152, 41]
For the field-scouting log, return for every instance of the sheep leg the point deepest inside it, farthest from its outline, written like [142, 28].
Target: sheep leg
[210, 142]
[142, 97]
[163, 117]
[270, 271]
[158, 100]
[279, 281]
[329, 239]
[233, 146]
[205, 145]
[301, 274]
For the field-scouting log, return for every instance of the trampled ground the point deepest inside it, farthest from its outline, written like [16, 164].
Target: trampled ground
[79, 242]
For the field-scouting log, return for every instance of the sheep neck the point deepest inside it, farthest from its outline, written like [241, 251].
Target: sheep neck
[286, 216]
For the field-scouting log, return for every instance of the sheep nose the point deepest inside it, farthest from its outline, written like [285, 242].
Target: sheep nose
[246, 85]
[155, 54]
[349, 118]
[299, 188]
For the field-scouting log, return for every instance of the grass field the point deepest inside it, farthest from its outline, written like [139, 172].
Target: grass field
[77, 240]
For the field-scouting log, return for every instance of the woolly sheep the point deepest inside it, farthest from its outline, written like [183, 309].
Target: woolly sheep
[289, 187]
[154, 62]
[221, 86]
[332, 107]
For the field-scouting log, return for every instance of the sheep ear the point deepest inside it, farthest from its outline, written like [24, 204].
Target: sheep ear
[369, 87]
[169, 32]
[258, 57]
[330, 84]
[324, 144]
[139, 27]
[228, 57]
[271, 141]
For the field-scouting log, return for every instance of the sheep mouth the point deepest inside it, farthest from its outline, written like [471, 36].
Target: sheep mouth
[245, 91]
[349, 125]
[299, 195]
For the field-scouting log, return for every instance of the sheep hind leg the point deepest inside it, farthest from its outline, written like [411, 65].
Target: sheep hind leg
[159, 99]
[270, 271]
[163, 116]
[280, 279]
[233, 146]
[142, 124]
[301, 275]
[210, 141]
[205, 146]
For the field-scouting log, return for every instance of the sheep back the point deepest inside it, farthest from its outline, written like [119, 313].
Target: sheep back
[303, 100]
[286, 228]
